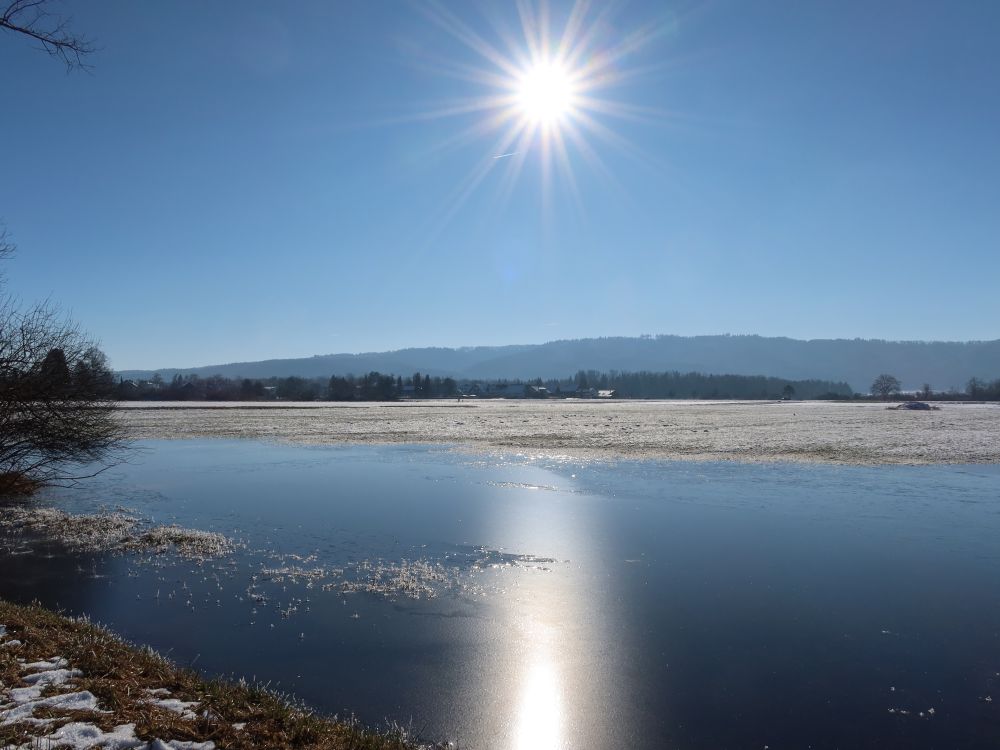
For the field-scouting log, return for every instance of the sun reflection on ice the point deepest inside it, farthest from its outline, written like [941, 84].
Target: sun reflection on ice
[544, 669]
[540, 711]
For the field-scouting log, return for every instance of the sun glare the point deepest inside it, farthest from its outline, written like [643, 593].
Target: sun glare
[542, 95]
[545, 93]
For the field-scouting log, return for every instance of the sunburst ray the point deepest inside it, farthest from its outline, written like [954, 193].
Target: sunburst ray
[546, 93]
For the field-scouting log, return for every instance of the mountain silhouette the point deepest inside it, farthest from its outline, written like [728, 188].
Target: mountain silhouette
[942, 364]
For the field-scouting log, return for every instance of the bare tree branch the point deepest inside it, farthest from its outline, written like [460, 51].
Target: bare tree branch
[7, 249]
[51, 30]
[58, 420]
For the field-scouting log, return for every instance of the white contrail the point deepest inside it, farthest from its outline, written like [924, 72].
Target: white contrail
[501, 156]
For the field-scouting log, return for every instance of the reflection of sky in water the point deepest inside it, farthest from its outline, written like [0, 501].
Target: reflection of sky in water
[594, 605]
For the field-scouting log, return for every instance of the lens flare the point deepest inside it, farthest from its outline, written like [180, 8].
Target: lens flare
[541, 94]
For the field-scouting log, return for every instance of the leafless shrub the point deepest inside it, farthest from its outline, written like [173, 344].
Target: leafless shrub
[57, 408]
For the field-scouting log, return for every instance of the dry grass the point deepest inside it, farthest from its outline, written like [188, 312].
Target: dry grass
[121, 675]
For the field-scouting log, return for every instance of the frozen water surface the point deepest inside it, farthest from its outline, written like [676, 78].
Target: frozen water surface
[506, 601]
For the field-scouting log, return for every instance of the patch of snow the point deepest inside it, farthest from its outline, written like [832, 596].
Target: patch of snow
[56, 662]
[183, 708]
[51, 677]
[83, 700]
[23, 695]
[78, 734]
[180, 745]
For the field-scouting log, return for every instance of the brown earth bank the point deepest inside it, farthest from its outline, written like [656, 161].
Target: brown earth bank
[801, 431]
[69, 683]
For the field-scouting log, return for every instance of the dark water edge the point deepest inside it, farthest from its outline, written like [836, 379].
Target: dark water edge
[586, 604]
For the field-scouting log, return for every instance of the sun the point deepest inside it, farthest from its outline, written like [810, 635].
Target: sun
[544, 96]
[546, 93]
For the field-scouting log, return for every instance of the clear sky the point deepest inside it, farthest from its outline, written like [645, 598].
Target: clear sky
[239, 181]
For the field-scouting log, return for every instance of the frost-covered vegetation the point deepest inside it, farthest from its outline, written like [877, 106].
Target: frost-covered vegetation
[421, 578]
[113, 532]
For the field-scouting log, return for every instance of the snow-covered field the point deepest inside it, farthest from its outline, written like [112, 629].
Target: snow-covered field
[698, 430]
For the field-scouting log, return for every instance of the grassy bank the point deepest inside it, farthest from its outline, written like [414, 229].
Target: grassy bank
[82, 681]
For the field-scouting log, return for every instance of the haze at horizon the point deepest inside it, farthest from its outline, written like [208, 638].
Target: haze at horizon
[233, 187]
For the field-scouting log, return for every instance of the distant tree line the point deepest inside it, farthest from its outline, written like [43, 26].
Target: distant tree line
[373, 386]
[696, 385]
[376, 386]
[887, 387]
[981, 390]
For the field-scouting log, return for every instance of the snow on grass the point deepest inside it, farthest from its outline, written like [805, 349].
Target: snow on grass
[180, 745]
[184, 709]
[119, 697]
[79, 734]
[51, 677]
[49, 687]
[24, 702]
[57, 663]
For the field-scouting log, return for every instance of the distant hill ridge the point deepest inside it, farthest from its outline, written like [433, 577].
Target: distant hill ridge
[942, 364]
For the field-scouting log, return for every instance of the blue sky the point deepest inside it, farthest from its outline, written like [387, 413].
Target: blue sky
[254, 180]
